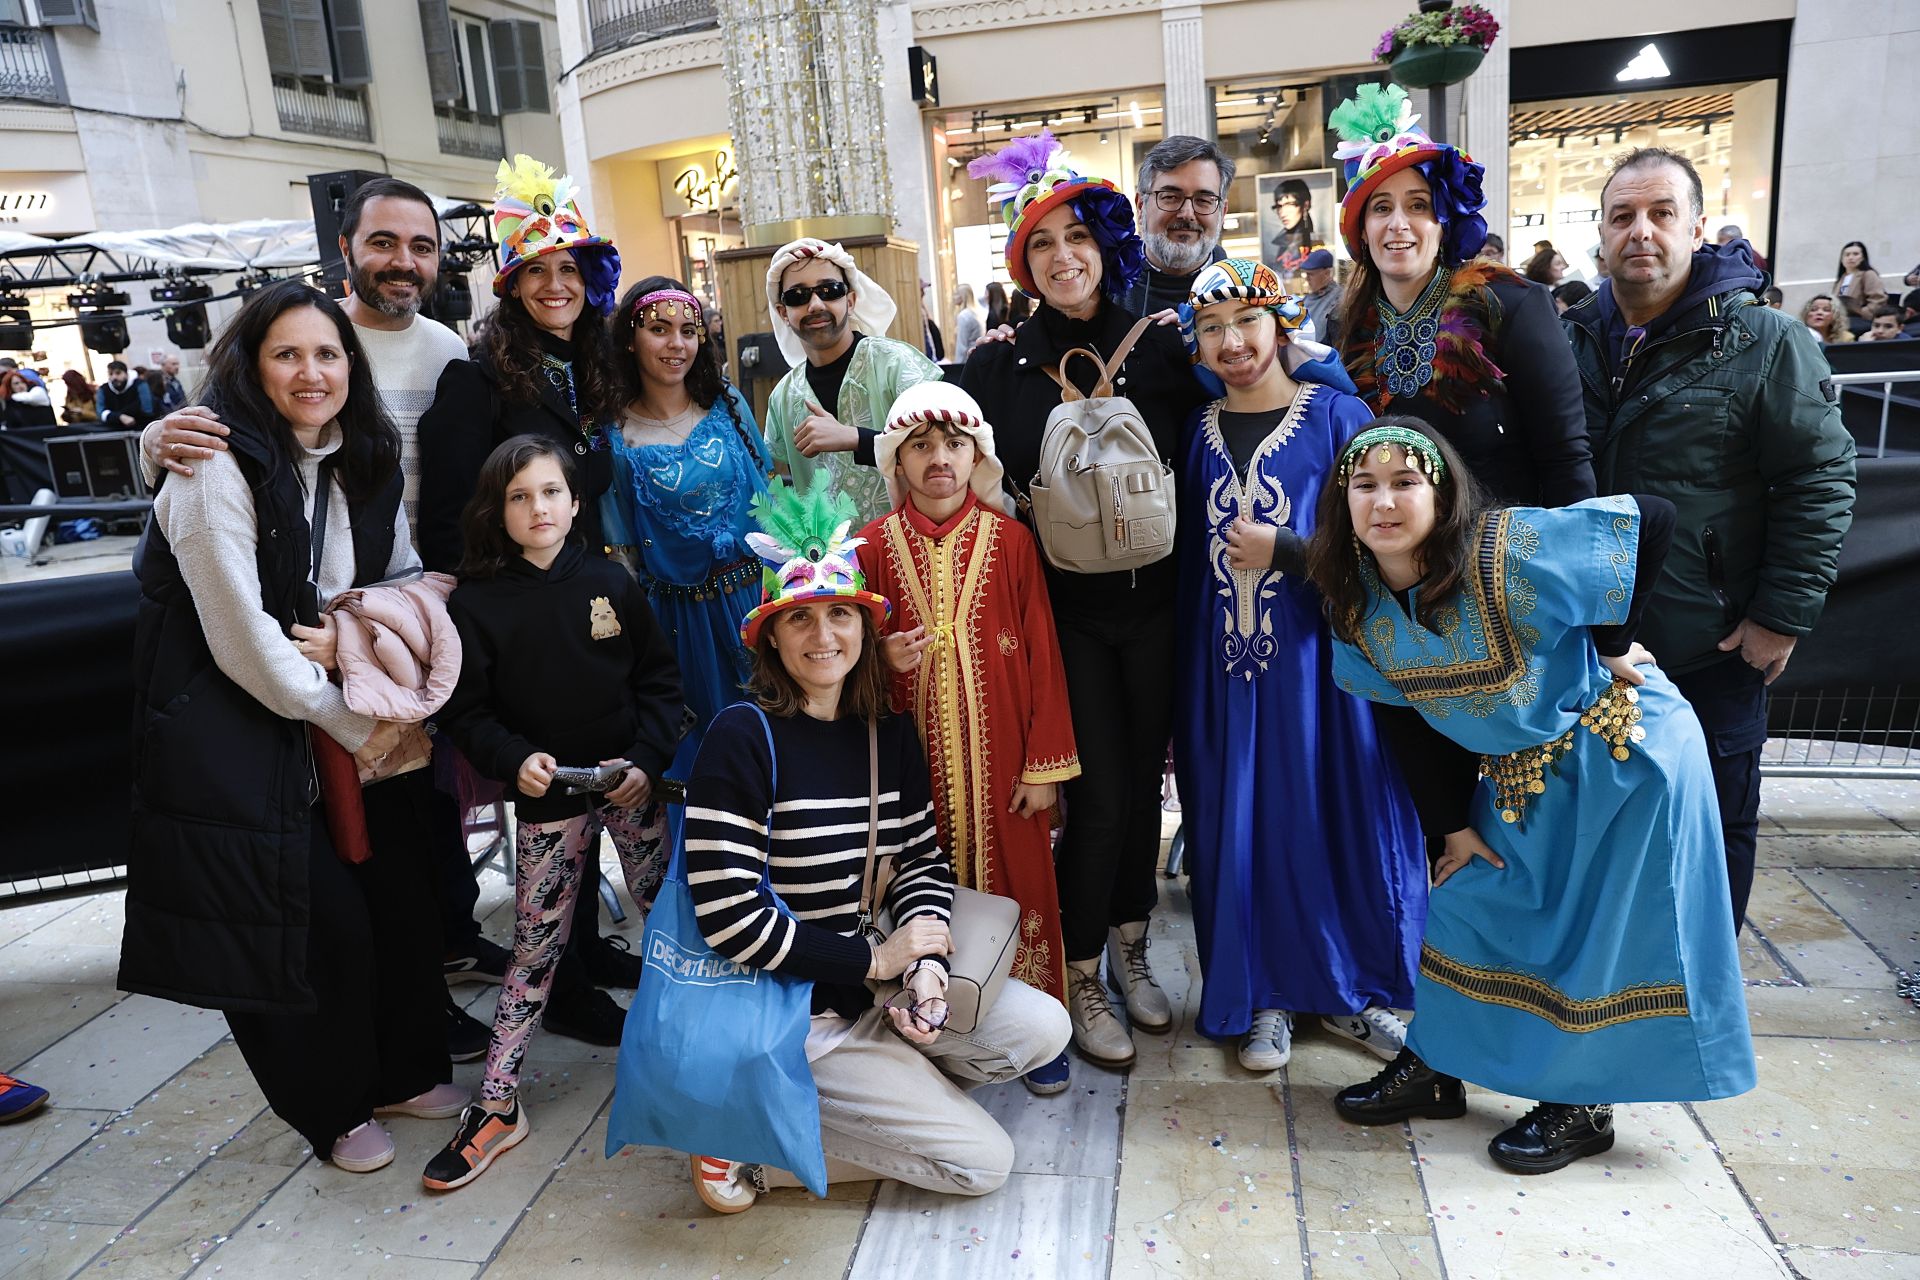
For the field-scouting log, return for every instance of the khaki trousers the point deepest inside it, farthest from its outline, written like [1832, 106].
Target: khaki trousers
[893, 1109]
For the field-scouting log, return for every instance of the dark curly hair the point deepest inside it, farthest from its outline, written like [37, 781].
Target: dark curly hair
[705, 382]
[1334, 553]
[369, 443]
[508, 339]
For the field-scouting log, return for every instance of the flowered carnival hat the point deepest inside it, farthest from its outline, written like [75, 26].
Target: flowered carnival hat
[808, 555]
[1034, 180]
[945, 403]
[1380, 136]
[534, 214]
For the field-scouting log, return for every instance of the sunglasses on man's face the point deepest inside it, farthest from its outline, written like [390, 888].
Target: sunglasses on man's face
[797, 295]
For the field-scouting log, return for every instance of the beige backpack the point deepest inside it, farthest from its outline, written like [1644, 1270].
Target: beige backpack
[1102, 499]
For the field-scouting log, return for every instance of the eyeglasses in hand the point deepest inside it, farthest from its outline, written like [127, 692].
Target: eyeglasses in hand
[1170, 199]
[797, 295]
[928, 1015]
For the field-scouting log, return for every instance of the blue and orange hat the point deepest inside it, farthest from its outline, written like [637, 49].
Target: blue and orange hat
[1380, 136]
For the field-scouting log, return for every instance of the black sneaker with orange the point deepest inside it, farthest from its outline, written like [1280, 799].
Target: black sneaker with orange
[482, 1136]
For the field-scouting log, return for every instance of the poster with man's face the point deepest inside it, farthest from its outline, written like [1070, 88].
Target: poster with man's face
[1298, 214]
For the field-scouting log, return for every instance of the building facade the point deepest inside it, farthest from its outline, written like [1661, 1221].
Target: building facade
[124, 115]
[1780, 113]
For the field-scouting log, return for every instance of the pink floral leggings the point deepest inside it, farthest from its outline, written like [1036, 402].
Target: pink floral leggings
[549, 858]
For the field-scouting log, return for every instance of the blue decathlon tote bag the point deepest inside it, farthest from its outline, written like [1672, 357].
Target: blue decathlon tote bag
[713, 1060]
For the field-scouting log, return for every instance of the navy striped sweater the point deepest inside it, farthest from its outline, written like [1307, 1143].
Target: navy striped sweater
[813, 858]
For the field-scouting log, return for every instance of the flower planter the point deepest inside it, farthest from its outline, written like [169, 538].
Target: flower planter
[1422, 66]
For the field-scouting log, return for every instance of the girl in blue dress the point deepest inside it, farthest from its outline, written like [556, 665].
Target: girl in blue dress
[688, 461]
[1309, 880]
[1577, 946]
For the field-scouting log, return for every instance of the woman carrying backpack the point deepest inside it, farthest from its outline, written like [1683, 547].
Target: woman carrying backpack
[1072, 247]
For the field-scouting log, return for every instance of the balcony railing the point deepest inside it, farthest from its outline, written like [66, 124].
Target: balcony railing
[469, 133]
[326, 110]
[30, 66]
[621, 22]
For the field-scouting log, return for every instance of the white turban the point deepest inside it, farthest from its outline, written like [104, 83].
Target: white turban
[873, 310]
[947, 404]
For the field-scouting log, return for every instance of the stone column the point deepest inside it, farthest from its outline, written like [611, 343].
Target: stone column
[1487, 106]
[807, 116]
[1189, 105]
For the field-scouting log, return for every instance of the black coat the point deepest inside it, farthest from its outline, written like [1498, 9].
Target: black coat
[1524, 441]
[469, 418]
[224, 789]
[1010, 381]
[567, 660]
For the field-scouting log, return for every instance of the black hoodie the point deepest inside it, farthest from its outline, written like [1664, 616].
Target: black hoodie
[567, 660]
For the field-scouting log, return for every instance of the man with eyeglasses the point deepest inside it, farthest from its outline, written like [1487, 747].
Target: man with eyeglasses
[1181, 203]
[829, 320]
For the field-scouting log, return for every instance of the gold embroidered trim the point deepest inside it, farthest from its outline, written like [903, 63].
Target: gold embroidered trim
[1532, 995]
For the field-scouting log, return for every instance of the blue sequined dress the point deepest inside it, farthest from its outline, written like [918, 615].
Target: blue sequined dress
[681, 509]
[1599, 965]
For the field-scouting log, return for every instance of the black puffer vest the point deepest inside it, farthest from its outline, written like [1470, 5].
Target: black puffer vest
[224, 789]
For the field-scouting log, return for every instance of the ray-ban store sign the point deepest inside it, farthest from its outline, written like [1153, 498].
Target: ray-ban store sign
[704, 183]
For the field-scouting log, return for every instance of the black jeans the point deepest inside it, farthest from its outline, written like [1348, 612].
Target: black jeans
[1730, 698]
[453, 868]
[1120, 687]
[378, 1033]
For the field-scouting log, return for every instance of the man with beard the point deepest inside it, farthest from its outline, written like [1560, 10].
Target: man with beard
[390, 238]
[843, 377]
[1181, 201]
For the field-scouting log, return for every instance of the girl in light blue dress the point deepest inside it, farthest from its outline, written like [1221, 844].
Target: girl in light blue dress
[1577, 947]
[688, 462]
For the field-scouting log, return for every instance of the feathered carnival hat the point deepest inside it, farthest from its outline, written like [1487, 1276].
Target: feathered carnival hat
[1034, 180]
[1242, 280]
[946, 404]
[808, 556]
[533, 215]
[1379, 137]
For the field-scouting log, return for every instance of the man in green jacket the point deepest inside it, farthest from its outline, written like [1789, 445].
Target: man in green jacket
[1698, 392]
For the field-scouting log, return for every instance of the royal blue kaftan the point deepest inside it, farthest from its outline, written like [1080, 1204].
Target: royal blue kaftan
[682, 508]
[1309, 877]
[1599, 965]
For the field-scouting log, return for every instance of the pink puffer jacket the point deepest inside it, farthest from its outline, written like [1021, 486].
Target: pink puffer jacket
[398, 651]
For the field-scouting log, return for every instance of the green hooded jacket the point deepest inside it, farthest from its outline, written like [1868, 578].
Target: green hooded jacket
[1728, 411]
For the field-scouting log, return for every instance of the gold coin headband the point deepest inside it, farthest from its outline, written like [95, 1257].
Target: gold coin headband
[670, 305]
[1421, 451]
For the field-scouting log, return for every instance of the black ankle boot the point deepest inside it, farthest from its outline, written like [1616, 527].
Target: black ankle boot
[1552, 1136]
[1406, 1089]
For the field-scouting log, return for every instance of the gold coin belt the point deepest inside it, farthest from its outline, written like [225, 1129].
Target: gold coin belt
[1522, 775]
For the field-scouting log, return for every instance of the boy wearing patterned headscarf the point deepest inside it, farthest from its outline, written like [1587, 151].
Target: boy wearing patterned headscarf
[830, 322]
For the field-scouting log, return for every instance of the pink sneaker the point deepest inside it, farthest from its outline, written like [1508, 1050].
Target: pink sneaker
[437, 1103]
[363, 1148]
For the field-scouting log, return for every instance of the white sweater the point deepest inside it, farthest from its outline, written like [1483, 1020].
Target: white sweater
[210, 523]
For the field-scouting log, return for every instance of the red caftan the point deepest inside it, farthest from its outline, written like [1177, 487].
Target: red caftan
[990, 698]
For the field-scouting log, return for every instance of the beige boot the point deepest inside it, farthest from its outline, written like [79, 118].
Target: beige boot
[1132, 977]
[1098, 1032]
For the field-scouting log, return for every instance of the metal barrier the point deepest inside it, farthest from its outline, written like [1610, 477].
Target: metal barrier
[1844, 734]
[1885, 382]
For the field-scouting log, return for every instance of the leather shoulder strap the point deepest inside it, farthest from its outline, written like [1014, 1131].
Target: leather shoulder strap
[1121, 352]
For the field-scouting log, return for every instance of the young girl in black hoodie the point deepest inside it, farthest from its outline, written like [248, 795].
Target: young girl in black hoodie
[562, 665]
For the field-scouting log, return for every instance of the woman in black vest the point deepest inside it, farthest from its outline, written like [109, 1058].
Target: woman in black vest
[329, 973]
[1071, 243]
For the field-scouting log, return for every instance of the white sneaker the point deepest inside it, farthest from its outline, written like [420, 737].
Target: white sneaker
[1269, 1042]
[1376, 1029]
[725, 1186]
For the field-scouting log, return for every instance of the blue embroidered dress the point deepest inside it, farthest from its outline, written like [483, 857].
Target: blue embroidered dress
[682, 509]
[1309, 873]
[1598, 966]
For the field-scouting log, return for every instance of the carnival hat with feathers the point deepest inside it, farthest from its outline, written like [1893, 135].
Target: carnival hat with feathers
[1379, 137]
[1034, 179]
[534, 214]
[808, 556]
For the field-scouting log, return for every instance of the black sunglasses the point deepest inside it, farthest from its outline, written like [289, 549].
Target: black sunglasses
[796, 295]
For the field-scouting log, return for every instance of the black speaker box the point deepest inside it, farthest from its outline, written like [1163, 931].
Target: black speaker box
[329, 192]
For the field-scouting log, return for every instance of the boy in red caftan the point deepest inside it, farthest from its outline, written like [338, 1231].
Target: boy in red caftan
[973, 652]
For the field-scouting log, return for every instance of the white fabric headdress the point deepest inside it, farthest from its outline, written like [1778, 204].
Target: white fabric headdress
[873, 310]
[945, 403]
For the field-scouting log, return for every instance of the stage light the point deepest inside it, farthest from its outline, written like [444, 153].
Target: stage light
[16, 323]
[103, 327]
[453, 300]
[187, 327]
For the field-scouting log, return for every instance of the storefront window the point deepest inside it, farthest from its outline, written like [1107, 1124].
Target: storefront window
[700, 197]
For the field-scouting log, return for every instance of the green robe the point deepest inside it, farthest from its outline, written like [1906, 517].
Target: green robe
[879, 371]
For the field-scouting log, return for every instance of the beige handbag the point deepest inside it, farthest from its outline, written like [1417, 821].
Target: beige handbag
[984, 926]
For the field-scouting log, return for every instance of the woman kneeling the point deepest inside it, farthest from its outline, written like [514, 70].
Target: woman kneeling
[892, 1077]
